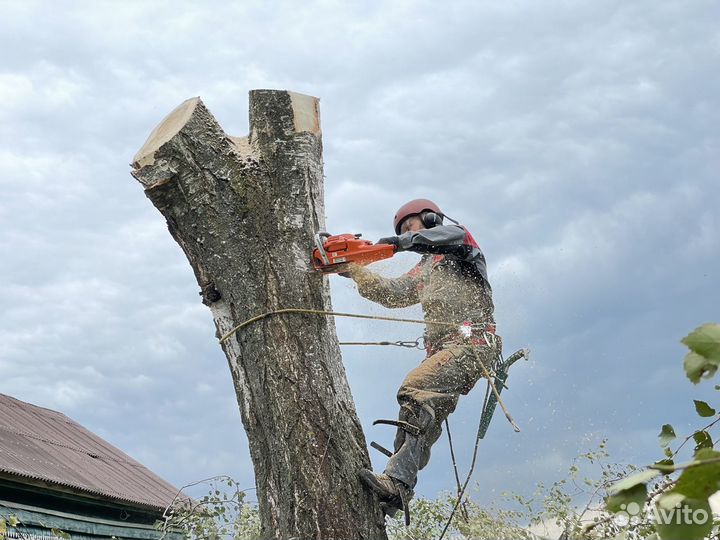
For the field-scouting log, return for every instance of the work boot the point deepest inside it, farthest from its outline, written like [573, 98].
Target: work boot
[384, 486]
[393, 494]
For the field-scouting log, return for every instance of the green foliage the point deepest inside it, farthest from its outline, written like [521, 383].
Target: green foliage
[429, 517]
[705, 341]
[679, 505]
[7, 521]
[702, 440]
[493, 523]
[568, 507]
[703, 409]
[60, 534]
[11, 521]
[667, 435]
[221, 514]
[574, 507]
[621, 497]
[701, 477]
[704, 357]
[247, 525]
[666, 500]
[697, 367]
[684, 529]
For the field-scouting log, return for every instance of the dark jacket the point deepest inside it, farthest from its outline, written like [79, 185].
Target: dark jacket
[450, 281]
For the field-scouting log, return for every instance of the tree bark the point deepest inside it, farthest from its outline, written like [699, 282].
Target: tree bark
[244, 211]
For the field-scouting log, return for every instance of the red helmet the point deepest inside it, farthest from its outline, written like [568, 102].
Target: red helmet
[413, 208]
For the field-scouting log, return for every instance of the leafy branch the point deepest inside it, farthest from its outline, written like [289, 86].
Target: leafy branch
[680, 506]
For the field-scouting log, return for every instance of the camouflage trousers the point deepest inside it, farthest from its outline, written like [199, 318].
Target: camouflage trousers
[429, 393]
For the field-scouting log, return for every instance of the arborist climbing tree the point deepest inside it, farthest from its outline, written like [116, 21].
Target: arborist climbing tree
[246, 212]
[451, 284]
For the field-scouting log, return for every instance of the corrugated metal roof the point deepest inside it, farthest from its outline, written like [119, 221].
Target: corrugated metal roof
[42, 444]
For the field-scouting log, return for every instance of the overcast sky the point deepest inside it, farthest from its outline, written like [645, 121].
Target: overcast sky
[578, 141]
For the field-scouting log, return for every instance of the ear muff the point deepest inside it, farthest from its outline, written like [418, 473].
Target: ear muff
[431, 219]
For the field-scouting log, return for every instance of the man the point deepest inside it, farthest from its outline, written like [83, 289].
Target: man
[451, 284]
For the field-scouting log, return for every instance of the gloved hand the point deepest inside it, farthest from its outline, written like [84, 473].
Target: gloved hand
[392, 240]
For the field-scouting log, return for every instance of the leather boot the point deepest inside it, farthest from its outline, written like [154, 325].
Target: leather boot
[393, 494]
[384, 486]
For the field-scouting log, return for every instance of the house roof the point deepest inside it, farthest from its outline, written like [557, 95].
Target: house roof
[45, 445]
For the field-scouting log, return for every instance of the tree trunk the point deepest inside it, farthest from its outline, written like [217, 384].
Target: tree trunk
[244, 211]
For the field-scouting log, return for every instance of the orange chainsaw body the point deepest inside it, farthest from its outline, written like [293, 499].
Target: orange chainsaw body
[332, 253]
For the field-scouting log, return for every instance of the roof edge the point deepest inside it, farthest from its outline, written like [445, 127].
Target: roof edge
[63, 488]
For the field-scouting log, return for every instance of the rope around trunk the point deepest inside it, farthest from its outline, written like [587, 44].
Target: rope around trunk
[333, 314]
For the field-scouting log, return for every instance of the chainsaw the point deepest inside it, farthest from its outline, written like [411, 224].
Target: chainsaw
[332, 253]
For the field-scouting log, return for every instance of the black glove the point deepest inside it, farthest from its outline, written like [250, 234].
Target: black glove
[392, 240]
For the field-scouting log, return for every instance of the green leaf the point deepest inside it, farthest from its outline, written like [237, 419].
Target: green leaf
[700, 480]
[707, 455]
[698, 367]
[629, 490]
[60, 534]
[620, 500]
[702, 440]
[666, 466]
[13, 520]
[705, 341]
[3, 529]
[703, 409]
[691, 520]
[667, 434]
[633, 480]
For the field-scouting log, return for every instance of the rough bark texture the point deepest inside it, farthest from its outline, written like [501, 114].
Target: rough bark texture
[244, 210]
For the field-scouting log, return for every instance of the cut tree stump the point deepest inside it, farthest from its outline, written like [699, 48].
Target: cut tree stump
[244, 211]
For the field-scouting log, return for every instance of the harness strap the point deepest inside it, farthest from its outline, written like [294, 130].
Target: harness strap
[477, 335]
